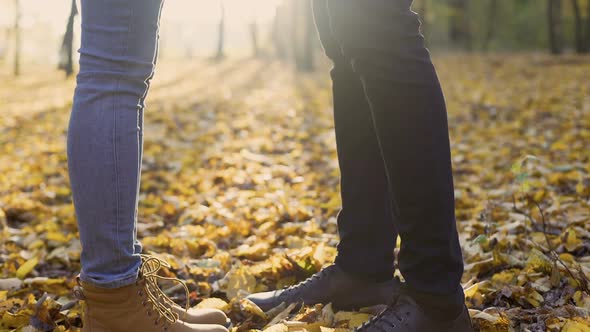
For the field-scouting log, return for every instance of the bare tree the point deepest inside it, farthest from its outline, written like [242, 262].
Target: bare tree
[278, 32]
[3, 43]
[582, 28]
[555, 26]
[17, 50]
[254, 37]
[305, 38]
[295, 21]
[310, 39]
[588, 28]
[491, 29]
[221, 39]
[66, 62]
[460, 29]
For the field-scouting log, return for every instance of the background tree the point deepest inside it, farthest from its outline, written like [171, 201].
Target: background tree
[221, 37]
[310, 39]
[4, 43]
[555, 26]
[254, 38]
[278, 32]
[491, 24]
[66, 62]
[305, 36]
[581, 27]
[17, 41]
[588, 26]
[459, 24]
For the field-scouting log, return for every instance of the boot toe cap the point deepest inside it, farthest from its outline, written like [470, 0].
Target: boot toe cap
[188, 327]
[207, 316]
[266, 300]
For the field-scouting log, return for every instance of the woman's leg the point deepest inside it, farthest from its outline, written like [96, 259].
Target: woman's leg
[118, 55]
[117, 59]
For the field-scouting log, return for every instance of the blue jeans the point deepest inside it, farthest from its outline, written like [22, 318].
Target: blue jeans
[117, 59]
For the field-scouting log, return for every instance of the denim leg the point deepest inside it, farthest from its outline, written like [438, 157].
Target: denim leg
[382, 39]
[365, 222]
[117, 59]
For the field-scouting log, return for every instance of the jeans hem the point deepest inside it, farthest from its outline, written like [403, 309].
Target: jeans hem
[119, 283]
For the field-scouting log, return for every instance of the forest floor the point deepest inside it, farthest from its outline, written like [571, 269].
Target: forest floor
[240, 190]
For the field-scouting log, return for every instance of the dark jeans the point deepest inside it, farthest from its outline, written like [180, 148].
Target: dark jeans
[393, 146]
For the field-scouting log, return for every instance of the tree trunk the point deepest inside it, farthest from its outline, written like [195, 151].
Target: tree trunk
[491, 29]
[278, 35]
[303, 35]
[309, 38]
[17, 50]
[296, 16]
[66, 62]
[584, 30]
[460, 30]
[554, 13]
[579, 27]
[221, 39]
[254, 37]
[587, 38]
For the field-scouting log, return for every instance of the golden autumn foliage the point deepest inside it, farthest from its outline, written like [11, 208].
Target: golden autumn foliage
[240, 191]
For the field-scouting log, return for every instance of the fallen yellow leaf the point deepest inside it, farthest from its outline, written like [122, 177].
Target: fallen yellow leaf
[27, 267]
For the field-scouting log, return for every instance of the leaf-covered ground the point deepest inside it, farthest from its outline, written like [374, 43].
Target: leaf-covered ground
[240, 191]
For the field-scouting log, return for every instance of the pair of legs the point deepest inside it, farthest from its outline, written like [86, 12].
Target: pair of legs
[393, 147]
[391, 129]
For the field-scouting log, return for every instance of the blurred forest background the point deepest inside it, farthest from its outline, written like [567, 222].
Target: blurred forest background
[43, 33]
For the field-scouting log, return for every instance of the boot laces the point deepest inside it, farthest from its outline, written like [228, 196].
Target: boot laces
[309, 281]
[161, 303]
[390, 312]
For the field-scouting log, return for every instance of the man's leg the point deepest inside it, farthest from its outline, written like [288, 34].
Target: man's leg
[365, 223]
[382, 39]
[362, 275]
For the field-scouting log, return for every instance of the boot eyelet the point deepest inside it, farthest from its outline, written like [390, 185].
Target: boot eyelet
[78, 293]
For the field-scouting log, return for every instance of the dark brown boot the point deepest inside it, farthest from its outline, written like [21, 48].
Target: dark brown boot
[404, 315]
[331, 285]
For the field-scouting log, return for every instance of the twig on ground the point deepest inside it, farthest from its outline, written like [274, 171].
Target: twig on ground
[584, 282]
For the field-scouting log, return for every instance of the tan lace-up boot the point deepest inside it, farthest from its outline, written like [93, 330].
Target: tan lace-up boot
[152, 265]
[143, 307]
